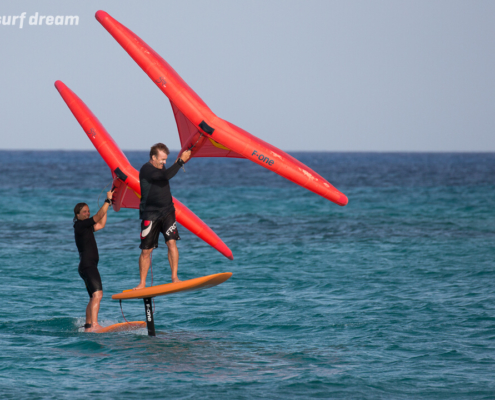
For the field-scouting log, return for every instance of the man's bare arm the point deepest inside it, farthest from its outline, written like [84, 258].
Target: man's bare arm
[101, 216]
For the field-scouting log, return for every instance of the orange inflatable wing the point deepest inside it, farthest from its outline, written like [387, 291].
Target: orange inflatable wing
[125, 176]
[202, 131]
[192, 138]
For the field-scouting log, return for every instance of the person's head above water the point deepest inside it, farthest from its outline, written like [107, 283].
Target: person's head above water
[158, 155]
[81, 212]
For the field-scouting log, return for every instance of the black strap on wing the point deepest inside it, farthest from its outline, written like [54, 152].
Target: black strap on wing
[120, 174]
[206, 128]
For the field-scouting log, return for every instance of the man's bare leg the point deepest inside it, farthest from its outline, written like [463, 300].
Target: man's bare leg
[144, 266]
[94, 309]
[173, 259]
[88, 315]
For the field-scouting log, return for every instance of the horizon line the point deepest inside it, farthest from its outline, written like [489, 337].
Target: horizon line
[289, 151]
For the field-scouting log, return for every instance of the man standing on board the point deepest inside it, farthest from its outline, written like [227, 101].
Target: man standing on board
[157, 211]
[84, 228]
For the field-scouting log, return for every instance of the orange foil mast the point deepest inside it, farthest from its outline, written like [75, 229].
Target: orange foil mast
[125, 177]
[202, 131]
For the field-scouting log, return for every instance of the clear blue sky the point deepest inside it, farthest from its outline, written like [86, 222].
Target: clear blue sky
[302, 75]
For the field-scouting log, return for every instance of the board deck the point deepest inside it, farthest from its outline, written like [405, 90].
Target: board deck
[169, 288]
[122, 327]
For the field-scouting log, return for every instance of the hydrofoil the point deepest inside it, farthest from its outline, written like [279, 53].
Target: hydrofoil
[148, 293]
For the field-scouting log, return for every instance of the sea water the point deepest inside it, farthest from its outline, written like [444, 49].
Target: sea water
[390, 297]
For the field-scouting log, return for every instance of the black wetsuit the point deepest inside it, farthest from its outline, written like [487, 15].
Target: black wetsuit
[88, 254]
[156, 209]
[156, 199]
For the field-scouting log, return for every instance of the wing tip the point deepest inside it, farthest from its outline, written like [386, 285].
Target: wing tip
[343, 200]
[59, 85]
[222, 248]
[101, 15]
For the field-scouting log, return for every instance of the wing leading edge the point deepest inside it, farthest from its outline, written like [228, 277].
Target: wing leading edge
[125, 176]
[202, 131]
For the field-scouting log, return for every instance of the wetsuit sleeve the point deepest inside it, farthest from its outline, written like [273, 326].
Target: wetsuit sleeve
[85, 224]
[165, 174]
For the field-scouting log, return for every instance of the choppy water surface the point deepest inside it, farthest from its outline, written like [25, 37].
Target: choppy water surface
[390, 297]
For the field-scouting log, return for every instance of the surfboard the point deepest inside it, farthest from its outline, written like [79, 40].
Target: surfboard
[202, 282]
[122, 327]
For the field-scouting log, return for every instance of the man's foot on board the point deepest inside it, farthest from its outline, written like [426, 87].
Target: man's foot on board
[87, 327]
[175, 280]
[94, 327]
[140, 286]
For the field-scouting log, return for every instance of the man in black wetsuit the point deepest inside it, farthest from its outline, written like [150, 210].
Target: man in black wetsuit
[156, 211]
[84, 228]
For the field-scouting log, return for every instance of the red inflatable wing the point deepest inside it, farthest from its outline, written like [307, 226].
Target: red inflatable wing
[125, 177]
[202, 131]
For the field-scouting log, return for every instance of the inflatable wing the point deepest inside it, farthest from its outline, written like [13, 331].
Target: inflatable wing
[125, 177]
[202, 131]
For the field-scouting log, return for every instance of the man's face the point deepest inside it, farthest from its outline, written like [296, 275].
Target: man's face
[160, 160]
[83, 214]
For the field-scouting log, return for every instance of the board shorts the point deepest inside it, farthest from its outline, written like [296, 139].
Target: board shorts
[150, 231]
[91, 277]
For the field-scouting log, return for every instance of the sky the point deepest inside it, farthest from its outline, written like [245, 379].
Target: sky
[310, 75]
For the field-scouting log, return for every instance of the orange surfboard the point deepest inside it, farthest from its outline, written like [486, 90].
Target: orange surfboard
[169, 288]
[122, 327]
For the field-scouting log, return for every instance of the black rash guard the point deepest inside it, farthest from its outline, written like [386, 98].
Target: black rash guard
[156, 199]
[85, 242]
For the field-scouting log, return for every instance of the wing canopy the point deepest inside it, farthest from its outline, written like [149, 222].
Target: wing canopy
[202, 144]
[221, 138]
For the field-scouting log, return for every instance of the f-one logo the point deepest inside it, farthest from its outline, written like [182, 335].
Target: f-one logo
[263, 158]
[161, 81]
[92, 132]
[148, 312]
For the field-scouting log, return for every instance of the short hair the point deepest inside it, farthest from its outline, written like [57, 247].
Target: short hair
[77, 210]
[158, 147]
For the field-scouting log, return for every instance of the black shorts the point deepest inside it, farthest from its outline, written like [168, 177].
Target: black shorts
[91, 277]
[150, 231]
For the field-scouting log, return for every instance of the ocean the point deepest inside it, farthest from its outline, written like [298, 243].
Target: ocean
[389, 297]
